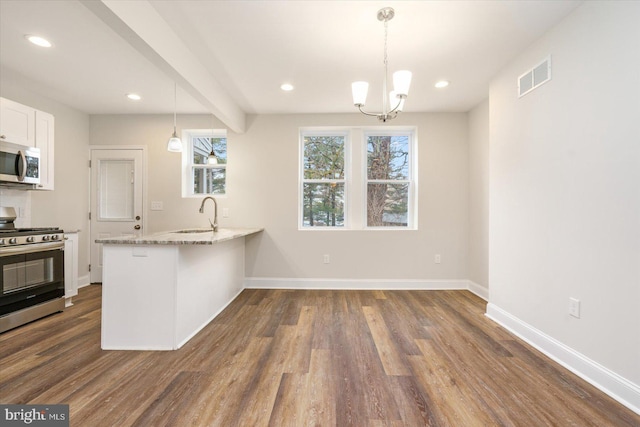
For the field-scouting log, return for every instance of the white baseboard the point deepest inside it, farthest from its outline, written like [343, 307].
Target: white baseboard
[352, 284]
[194, 333]
[365, 284]
[619, 388]
[479, 290]
[83, 281]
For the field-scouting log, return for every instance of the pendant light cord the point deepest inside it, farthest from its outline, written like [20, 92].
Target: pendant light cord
[175, 105]
[385, 101]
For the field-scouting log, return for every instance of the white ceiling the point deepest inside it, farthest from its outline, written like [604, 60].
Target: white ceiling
[249, 48]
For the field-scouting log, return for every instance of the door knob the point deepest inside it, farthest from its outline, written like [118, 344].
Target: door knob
[137, 227]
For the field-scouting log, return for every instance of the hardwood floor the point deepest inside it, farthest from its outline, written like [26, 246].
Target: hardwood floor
[297, 358]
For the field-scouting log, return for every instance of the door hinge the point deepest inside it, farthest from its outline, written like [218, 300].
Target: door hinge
[89, 163]
[89, 267]
[89, 215]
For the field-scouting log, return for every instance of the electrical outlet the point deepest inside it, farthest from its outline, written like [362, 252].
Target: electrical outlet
[157, 206]
[326, 259]
[225, 212]
[574, 307]
[437, 259]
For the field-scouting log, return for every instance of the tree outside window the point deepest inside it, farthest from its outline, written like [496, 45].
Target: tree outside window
[388, 180]
[323, 180]
[355, 178]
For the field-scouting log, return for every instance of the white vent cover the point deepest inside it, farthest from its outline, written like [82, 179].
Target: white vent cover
[535, 77]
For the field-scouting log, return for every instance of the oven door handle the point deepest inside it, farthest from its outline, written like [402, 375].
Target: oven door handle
[29, 249]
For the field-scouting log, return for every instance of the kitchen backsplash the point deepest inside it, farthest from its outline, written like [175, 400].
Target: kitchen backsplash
[19, 200]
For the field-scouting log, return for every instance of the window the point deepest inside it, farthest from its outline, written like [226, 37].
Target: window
[200, 177]
[388, 179]
[358, 179]
[323, 180]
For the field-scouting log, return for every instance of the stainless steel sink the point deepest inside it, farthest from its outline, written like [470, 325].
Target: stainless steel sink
[197, 230]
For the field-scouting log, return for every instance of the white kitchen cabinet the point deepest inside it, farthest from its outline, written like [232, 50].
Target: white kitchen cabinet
[25, 125]
[44, 141]
[17, 123]
[158, 291]
[70, 267]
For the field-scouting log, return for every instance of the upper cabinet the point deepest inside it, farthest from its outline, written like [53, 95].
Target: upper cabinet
[25, 125]
[44, 141]
[17, 123]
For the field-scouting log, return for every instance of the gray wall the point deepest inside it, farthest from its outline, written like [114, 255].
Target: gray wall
[262, 191]
[565, 187]
[479, 195]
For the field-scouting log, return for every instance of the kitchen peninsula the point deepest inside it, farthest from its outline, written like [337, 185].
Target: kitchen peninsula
[159, 290]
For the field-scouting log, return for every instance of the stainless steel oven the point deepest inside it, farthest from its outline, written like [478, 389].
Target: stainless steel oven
[31, 274]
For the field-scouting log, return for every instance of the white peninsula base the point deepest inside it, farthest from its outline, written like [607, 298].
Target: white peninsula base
[158, 296]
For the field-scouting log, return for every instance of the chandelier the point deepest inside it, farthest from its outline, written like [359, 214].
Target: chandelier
[392, 102]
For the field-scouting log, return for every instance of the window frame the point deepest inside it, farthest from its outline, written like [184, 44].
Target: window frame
[188, 166]
[302, 180]
[411, 174]
[356, 176]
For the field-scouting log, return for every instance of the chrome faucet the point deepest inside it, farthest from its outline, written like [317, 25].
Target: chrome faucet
[214, 224]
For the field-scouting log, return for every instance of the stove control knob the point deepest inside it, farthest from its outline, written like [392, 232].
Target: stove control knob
[45, 238]
[13, 241]
[30, 239]
[1, 241]
[55, 237]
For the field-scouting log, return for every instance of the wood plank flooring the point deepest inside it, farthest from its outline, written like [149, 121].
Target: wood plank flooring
[299, 358]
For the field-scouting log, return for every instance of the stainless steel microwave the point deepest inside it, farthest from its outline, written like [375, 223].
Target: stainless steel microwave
[19, 164]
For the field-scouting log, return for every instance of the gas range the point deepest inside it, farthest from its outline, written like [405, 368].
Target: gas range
[32, 259]
[27, 236]
[11, 236]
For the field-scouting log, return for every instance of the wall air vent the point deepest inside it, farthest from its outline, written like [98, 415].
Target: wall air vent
[535, 77]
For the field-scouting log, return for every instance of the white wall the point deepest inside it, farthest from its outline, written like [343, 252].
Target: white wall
[565, 188]
[66, 206]
[479, 196]
[20, 200]
[262, 191]
[164, 168]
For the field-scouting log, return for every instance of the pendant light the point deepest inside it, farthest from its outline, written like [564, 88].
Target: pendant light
[211, 158]
[174, 144]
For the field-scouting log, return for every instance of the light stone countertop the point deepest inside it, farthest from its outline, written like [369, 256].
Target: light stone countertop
[207, 237]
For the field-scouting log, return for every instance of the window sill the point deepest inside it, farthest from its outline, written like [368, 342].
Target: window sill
[201, 196]
[316, 229]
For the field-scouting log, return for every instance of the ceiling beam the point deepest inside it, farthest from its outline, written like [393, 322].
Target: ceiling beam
[138, 23]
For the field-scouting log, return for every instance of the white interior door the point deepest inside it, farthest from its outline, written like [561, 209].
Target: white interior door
[116, 199]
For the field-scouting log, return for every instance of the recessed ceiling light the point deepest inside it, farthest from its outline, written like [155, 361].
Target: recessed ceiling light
[38, 41]
[441, 84]
[287, 87]
[134, 96]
